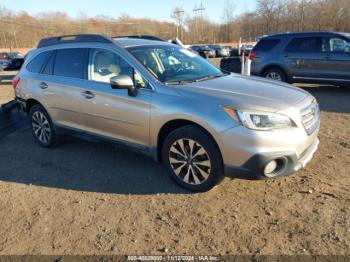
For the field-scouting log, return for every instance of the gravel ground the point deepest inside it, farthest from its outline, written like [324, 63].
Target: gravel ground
[93, 198]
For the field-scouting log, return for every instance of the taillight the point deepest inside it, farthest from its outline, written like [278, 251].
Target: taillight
[252, 55]
[15, 82]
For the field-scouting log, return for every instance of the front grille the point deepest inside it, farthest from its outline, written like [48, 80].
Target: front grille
[310, 117]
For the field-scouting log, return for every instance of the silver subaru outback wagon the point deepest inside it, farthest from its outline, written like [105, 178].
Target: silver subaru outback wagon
[167, 102]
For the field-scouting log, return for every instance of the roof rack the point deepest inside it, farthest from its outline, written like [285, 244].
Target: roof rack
[147, 37]
[80, 38]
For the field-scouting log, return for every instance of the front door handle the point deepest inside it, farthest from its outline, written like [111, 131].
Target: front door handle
[88, 94]
[43, 85]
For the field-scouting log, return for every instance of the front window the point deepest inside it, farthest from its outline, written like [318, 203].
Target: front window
[104, 65]
[174, 65]
[337, 45]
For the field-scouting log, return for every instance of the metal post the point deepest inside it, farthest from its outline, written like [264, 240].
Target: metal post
[243, 64]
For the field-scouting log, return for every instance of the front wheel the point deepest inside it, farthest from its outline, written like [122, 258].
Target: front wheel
[192, 159]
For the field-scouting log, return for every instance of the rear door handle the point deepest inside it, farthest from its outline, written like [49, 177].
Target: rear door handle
[88, 94]
[43, 85]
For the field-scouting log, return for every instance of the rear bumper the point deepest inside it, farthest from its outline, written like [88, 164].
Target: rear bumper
[254, 167]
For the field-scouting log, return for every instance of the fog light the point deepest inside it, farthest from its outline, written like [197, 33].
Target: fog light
[275, 167]
[270, 168]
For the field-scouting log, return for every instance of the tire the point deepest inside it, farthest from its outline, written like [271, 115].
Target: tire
[42, 127]
[198, 173]
[275, 73]
[231, 64]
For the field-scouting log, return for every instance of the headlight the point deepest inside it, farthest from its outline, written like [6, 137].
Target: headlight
[260, 120]
[264, 121]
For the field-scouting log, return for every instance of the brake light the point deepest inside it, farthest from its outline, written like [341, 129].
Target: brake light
[252, 55]
[15, 82]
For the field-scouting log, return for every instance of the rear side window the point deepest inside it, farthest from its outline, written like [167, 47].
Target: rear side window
[266, 44]
[37, 63]
[71, 62]
[48, 69]
[305, 44]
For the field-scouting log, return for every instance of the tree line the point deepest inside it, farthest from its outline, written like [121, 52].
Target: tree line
[20, 29]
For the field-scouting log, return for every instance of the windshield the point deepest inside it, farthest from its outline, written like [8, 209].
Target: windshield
[174, 65]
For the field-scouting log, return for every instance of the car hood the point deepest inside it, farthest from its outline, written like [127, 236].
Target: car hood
[242, 92]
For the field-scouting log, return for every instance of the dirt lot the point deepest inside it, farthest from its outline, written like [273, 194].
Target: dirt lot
[92, 198]
[6, 90]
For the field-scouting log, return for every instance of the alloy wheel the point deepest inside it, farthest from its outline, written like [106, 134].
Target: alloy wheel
[41, 127]
[274, 76]
[190, 161]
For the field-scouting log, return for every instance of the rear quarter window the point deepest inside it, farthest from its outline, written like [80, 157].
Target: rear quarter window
[266, 44]
[38, 62]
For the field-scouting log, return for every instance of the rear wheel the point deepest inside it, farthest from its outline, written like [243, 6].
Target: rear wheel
[275, 74]
[192, 159]
[41, 125]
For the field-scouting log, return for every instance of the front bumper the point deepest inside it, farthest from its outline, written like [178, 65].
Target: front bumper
[254, 167]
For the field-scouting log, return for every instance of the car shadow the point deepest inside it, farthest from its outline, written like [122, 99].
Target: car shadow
[82, 165]
[330, 98]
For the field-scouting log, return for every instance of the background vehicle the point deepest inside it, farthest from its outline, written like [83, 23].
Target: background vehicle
[204, 51]
[11, 61]
[246, 49]
[220, 51]
[234, 52]
[162, 100]
[231, 64]
[313, 57]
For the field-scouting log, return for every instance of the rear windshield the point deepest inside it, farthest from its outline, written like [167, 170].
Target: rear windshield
[266, 44]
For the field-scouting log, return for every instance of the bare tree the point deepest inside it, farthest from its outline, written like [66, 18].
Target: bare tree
[228, 19]
[19, 29]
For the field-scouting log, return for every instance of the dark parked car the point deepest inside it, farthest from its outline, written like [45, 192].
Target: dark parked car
[314, 57]
[234, 51]
[11, 61]
[220, 51]
[204, 51]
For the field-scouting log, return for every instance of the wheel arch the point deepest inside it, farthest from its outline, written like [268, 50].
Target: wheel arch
[278, 66]
[174, 124]
[30, 103]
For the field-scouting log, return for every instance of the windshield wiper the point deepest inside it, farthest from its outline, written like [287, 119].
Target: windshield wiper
[209, 77]
[180, 82]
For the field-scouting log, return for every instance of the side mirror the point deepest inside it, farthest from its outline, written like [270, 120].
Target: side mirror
[124, 82]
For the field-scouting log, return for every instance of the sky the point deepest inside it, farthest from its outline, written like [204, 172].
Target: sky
[159, 10]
